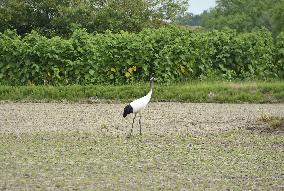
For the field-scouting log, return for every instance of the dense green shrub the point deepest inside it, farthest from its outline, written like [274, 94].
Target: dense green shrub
[280, 55]
[173, 54]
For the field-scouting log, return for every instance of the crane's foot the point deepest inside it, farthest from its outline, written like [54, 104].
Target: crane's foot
[129, 135]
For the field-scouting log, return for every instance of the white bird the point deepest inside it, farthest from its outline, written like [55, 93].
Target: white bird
[137, 105]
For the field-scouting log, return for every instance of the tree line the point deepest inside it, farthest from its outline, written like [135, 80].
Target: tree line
[245, 15]
[53, 17]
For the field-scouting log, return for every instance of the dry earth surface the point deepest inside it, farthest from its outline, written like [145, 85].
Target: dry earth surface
[157, 118]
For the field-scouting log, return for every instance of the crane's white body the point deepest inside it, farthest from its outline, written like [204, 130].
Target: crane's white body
[141, 103]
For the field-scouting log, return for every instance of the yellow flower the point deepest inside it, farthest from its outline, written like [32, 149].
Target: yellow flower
[127, 74]
[130, 70]
[182, 69]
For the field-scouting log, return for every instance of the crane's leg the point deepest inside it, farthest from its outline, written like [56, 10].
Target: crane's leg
[132, 124]
[140, 123]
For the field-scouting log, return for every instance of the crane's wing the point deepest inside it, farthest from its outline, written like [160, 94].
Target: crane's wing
[141, 103]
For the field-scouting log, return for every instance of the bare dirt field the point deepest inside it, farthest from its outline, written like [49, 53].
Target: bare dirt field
[184, 146]
[157, 118]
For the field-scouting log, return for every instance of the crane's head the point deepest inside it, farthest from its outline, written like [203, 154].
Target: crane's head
[127, 110]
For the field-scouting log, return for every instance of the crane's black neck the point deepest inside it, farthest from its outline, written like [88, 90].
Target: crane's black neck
[151, 83]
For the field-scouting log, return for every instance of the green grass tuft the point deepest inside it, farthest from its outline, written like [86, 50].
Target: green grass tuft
[270, 124]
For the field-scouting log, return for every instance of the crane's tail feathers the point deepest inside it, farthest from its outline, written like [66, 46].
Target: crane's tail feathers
[127, 110]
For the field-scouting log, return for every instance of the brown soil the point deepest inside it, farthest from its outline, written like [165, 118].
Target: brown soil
[157, 118]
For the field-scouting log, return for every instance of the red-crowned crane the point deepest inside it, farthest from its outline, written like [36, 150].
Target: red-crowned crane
[137, 105]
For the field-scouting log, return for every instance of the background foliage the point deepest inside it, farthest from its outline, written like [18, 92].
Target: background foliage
[53, 17]
[245, 15]
[173, 54]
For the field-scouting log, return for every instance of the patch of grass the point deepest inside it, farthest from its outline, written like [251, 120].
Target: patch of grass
[220, 92]
[237, 160]
[268, 123]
